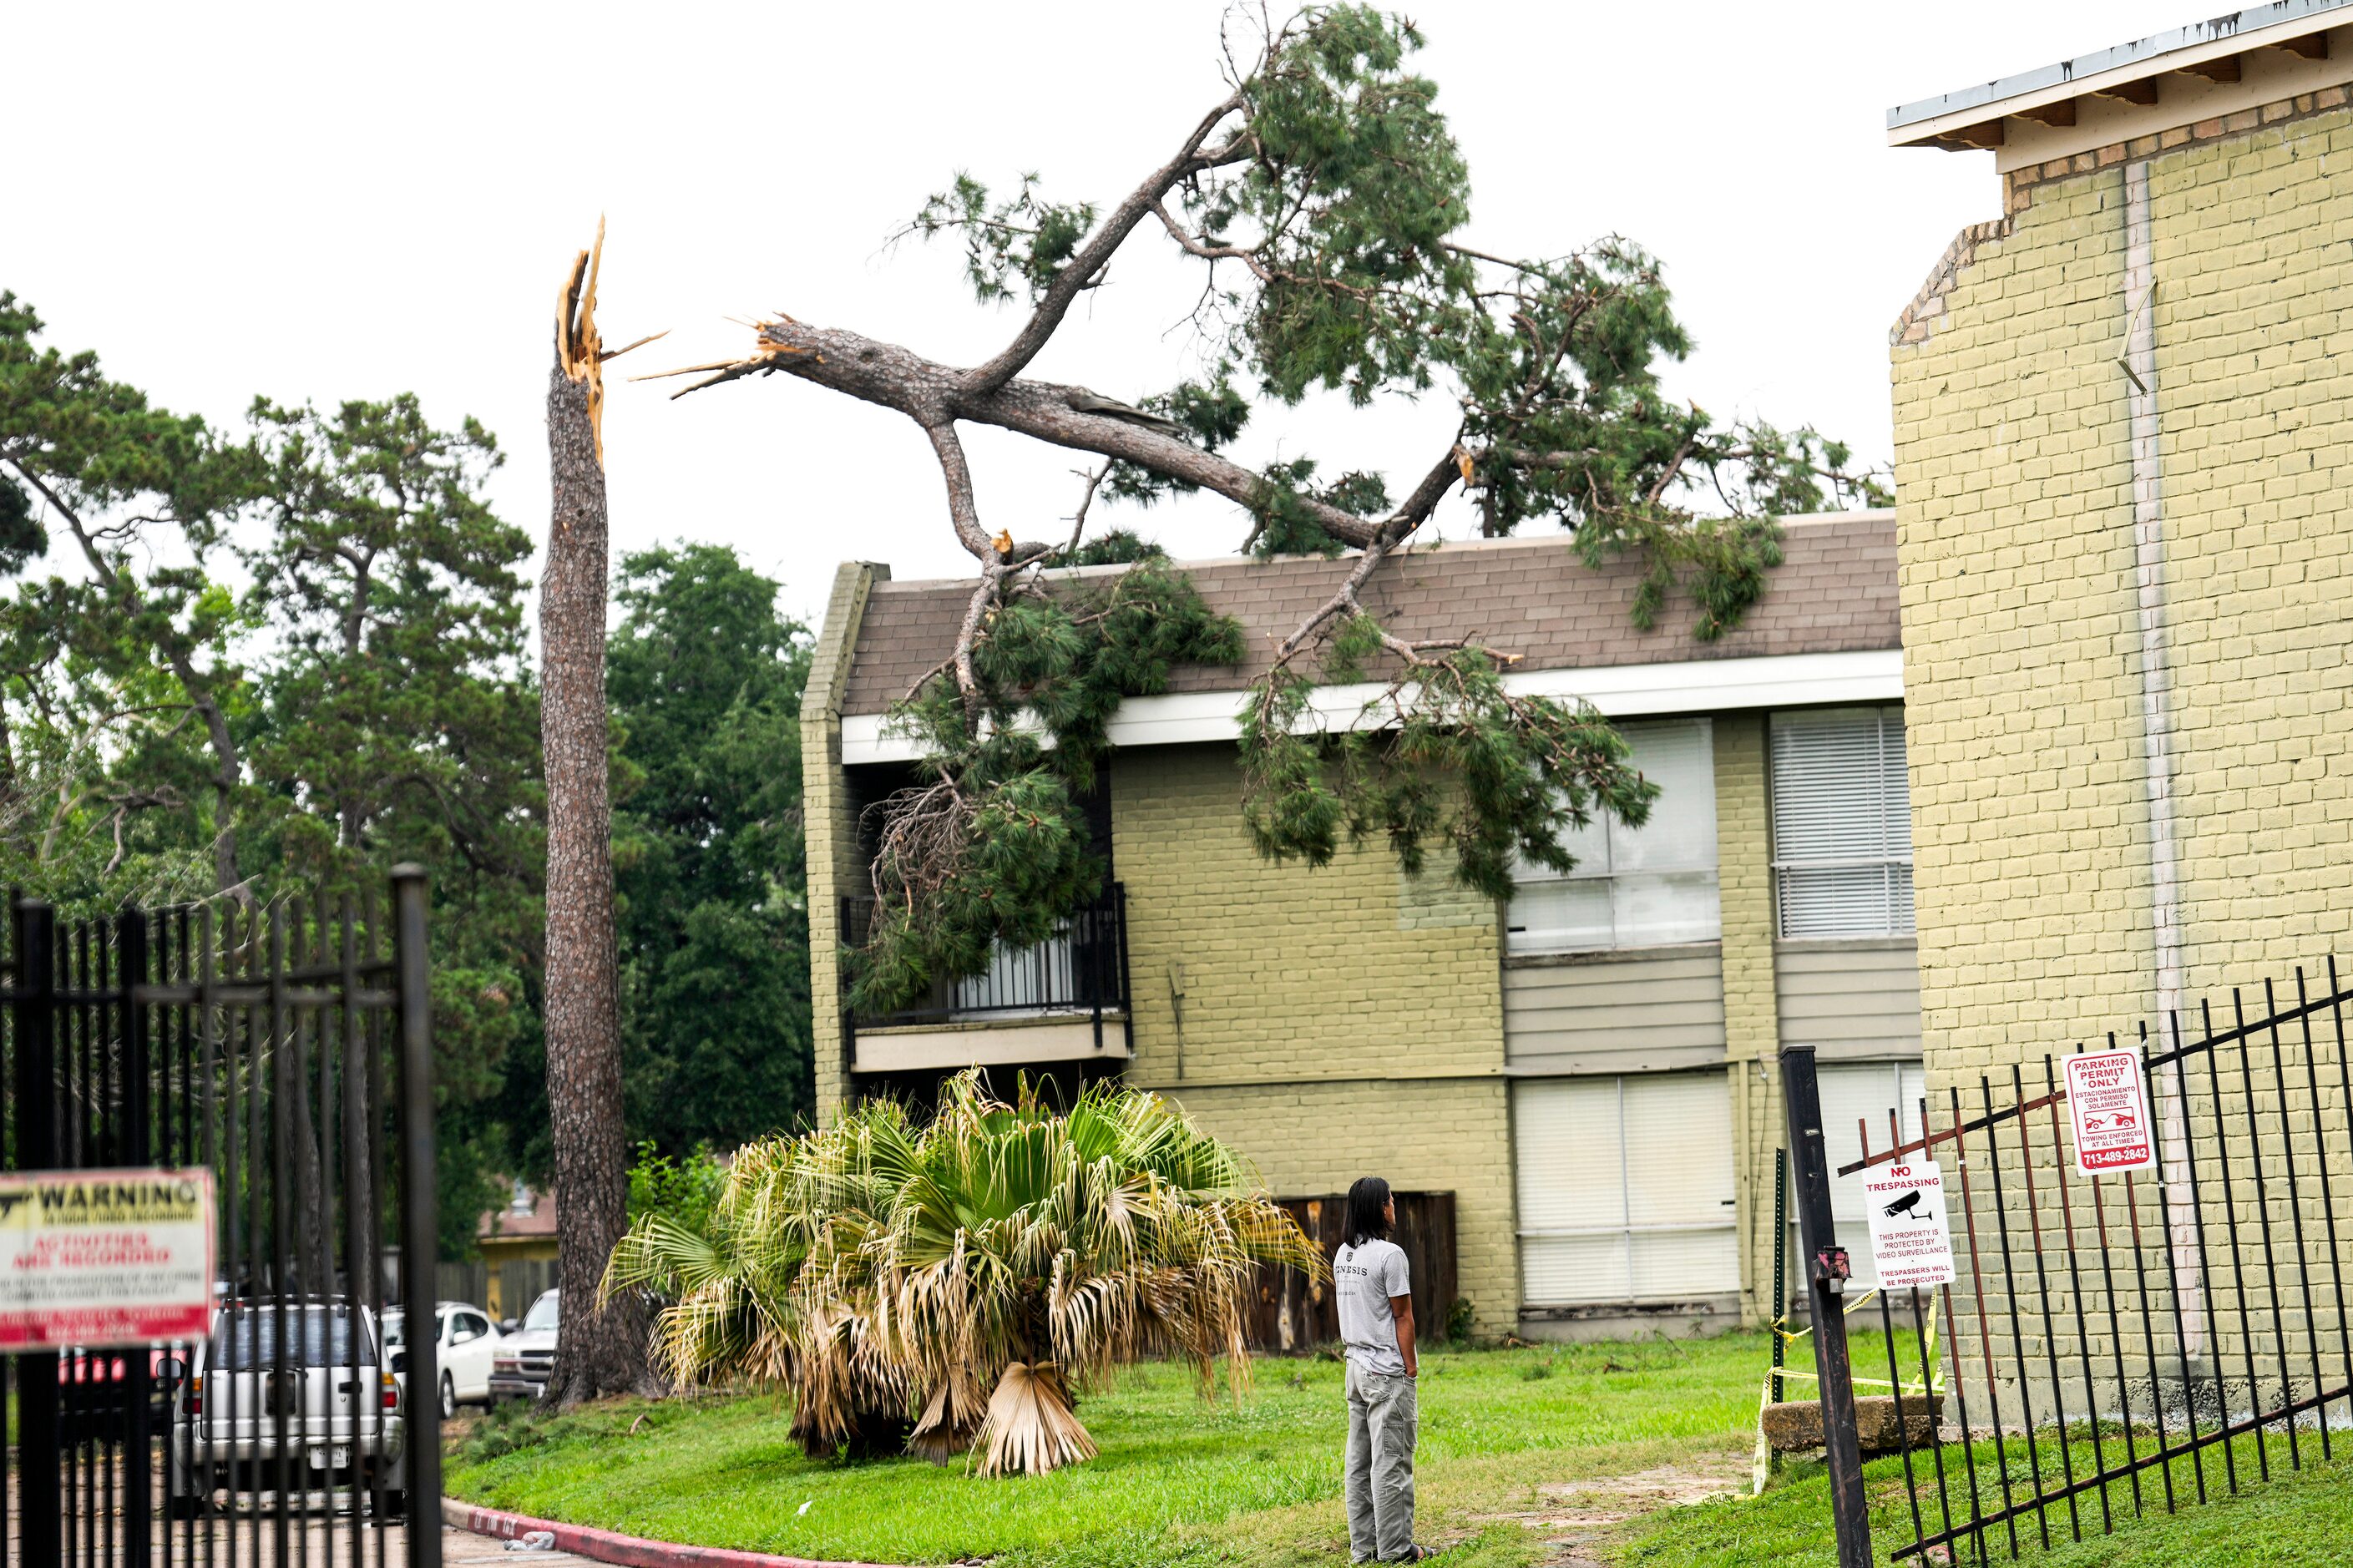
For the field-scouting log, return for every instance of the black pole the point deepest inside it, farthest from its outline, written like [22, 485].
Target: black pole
[419, 1243]
[39, 1477]
[1825, 1277]
[1781, 1264]
[135, 1144]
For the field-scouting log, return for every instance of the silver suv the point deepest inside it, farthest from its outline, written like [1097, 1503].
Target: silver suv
[290, 1400]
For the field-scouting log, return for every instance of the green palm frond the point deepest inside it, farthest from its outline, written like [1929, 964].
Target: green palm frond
[894, 1275]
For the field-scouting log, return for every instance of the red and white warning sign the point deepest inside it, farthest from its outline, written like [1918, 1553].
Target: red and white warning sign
[105, 1257]
[1910, 1243]
[2107, 1105]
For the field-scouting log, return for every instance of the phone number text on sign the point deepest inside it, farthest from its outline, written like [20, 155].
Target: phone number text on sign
[100, 1257]
[2107, 1105]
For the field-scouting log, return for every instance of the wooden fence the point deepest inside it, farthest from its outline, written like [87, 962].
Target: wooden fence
[505, 1291]
[1293, 1313]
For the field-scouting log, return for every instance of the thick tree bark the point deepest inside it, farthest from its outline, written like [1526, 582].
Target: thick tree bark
[600, 1350]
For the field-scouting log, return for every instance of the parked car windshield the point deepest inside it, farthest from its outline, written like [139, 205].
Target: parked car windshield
[541, 1315]
[395, 1333]
[246, 1339]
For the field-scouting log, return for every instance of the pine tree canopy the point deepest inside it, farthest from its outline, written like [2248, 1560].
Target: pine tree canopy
[1326, 201]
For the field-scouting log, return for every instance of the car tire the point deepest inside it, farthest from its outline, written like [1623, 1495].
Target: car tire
[448, 1398]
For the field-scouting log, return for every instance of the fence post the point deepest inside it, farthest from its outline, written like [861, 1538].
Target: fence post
[419, 1243]
[135, 1144]
[1780, 1265]
[1825, 1274]
[39, 1477]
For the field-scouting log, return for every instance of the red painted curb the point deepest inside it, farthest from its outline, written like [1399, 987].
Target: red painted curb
[609, 1546]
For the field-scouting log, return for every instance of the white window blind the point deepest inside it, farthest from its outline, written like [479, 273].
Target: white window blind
[1841, 823]
[1626, 1188]
[1634, 886]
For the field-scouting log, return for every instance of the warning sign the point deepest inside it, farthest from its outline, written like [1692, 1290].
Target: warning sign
[2107, 1103]
[1910, 1245]
[105, 1257]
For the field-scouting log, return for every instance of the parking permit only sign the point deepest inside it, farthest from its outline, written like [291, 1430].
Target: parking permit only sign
[2107, 1105]
[105, 1257]
[1910, 1244]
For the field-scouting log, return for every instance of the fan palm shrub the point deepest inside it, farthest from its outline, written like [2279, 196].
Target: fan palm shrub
[948, 1287]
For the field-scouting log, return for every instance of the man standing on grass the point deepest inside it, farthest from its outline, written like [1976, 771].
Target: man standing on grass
[1369, 1275]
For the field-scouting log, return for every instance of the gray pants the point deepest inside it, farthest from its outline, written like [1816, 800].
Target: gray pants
[1381, 1421]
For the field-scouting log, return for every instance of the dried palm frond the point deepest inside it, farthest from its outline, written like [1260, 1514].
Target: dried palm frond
[1031, 1428]
[890, 1274]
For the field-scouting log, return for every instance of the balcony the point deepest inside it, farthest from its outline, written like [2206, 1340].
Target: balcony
[1063, 999]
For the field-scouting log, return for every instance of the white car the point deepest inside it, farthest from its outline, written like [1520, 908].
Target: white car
[464, 1339]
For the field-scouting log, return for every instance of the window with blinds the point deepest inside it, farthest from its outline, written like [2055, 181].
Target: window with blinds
[1841, 823]
[1634, 886]
[1626, 1188]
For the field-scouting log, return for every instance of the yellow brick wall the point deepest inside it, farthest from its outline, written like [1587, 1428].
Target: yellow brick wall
[2022, 646]
[1744, 849]
[1336, 1023]
[2253, 243]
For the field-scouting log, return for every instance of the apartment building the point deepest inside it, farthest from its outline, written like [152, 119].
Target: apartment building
[1589, 1067]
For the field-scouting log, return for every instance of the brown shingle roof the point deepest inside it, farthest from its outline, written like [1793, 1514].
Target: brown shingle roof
[506, 1224]
[1834, 593]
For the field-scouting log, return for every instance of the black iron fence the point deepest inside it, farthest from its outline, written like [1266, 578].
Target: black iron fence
[1081, 969]
[2143, 1340]
[286, 1051]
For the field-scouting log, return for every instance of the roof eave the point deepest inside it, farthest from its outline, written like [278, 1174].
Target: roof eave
[1959, 120]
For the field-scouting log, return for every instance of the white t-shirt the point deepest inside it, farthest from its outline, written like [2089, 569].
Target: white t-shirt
[1364, 1278]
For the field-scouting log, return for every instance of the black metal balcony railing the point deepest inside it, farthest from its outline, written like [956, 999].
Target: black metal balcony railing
[1081, 970]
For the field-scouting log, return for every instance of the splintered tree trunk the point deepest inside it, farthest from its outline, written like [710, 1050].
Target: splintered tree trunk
[599, 1351]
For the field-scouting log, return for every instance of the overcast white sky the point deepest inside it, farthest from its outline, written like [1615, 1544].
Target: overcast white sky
[326, 202]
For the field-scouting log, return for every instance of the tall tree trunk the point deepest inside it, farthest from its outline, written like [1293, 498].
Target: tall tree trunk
[598, 1350]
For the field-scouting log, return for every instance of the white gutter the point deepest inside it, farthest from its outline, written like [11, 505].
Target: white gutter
[2234, 33]
[1625, 690]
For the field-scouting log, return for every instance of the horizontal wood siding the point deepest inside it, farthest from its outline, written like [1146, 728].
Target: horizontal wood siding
[1850, 1000]
[1629, 1013]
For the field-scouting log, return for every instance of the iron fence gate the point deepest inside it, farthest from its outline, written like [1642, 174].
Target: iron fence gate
[287, 1050]
[2141, 1341]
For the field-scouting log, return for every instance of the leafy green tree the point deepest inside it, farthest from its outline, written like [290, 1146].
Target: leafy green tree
[1328, 205]
[400, 723]
[136, 649]
[704, 676]
[365, 702]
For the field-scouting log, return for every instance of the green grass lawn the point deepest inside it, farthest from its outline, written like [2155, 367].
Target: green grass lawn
[1574, 1455]
[2298, 1517]
[1178, 1481]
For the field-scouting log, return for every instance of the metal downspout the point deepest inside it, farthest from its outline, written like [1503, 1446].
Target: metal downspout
[2139, 360]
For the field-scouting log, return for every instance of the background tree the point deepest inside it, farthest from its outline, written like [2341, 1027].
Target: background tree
[371, 682]
[704, 678]
[399, 722]
[135, 646]
[1326, 202]
[601, 1349]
